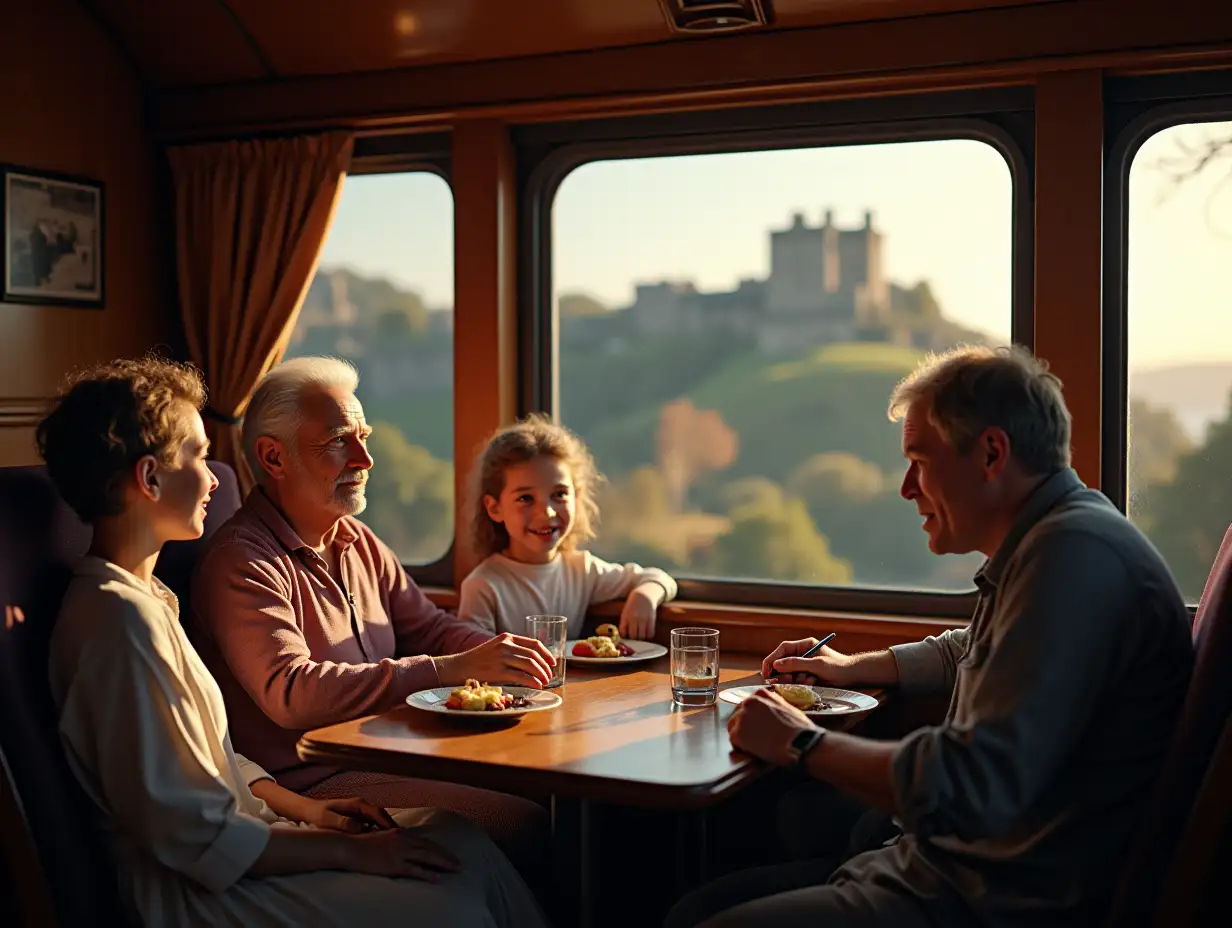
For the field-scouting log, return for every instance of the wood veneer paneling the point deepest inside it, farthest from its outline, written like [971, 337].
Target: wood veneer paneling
[74, 105]
[1069, 249]
[876, 56]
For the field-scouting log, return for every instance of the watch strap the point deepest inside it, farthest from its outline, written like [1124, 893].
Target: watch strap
[804, 742]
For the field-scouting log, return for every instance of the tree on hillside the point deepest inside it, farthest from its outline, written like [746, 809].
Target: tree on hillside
[638, 523]
[575, 305]
[917, 303]
[642, 495]
[1156, 443]
[834, 475]
[393, 325]
[751, 491]
[632, 505]
[410, 496]
[857, 507]
[690, 442]
[1189, 515]
[769, 542]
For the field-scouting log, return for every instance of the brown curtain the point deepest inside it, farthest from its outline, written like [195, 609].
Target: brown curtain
[250, 220]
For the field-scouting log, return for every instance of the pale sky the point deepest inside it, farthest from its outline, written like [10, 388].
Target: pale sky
[944, 207]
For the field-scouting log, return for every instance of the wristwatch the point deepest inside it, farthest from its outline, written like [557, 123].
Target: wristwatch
[803, 742]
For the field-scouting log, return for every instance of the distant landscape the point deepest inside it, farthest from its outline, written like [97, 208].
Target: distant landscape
[725, 461]
[1197, 394]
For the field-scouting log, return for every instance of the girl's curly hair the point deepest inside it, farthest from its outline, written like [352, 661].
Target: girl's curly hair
[533, 437]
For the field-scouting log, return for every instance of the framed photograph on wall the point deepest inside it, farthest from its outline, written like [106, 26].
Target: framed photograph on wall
[53, 238]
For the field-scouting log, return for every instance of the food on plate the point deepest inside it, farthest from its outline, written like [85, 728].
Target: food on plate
[802, 697]
[480, 697]
[605, 642]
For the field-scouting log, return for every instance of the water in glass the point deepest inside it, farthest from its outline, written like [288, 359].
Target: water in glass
[695, 666]
[552, 631]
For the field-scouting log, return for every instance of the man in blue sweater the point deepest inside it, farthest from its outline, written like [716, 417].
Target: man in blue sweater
[1064, 690]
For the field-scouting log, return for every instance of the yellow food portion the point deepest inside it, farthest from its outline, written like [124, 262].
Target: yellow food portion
[608, 631]
[799, 696]
[603, 646]
[477, 697]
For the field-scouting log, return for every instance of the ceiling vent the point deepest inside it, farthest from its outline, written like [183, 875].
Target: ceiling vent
[717, 15]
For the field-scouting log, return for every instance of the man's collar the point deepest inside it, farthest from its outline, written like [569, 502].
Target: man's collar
[264, 509]
[1038, 504]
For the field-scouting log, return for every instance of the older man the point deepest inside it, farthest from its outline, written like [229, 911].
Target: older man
[1016, 810]
[306, 618]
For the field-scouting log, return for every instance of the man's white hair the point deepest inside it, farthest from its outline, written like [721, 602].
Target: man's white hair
[274, 409]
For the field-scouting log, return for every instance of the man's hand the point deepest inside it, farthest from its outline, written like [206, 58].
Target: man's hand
[764, 724]
[352, 815]
[828, 666]
[398, 852]
[637, 618]
[504, 659]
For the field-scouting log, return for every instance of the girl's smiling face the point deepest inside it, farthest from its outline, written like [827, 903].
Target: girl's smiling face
[536, 507]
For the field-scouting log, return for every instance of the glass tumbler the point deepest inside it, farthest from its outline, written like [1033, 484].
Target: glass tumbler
[552, 631]
[695, 666]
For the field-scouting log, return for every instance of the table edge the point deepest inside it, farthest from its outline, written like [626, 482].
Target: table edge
[558, 781]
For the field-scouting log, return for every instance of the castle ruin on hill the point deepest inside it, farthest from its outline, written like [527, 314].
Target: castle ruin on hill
[826, 284]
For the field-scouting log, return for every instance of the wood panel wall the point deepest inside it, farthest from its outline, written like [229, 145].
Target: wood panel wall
[73, 104]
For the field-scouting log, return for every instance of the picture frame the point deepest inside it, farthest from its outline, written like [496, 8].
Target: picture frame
[51, 232]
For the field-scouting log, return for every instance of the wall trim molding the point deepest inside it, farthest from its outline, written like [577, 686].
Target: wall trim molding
[22, 412]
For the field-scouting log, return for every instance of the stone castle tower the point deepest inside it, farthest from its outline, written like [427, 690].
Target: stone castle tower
[836, 274]
[826, 284]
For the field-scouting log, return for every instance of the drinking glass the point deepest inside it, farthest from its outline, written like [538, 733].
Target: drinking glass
[695, 666]
[552, 631]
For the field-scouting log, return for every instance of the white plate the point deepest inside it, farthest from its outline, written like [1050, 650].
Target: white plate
[842, 702]
[642, 651]
[433, 700]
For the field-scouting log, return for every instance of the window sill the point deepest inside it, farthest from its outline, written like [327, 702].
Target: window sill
[758, 629]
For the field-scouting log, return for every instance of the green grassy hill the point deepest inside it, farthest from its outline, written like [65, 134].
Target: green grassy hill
[833, 400]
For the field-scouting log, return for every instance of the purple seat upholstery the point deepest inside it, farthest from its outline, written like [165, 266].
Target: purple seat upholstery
[40, 539]
[1207, 706]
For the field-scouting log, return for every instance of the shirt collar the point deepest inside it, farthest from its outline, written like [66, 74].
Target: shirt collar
[271, 516]
[90, 565]
[1045, 497]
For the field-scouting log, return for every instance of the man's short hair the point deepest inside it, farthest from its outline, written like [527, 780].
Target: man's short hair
[107, 418]
[972, 388]
[274, 409]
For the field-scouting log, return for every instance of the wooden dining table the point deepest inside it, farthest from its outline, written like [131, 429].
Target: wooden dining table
[616, 739]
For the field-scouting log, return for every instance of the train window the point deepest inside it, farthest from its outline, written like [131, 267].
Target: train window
[730, 326]
[1179, 351]
[382, 298]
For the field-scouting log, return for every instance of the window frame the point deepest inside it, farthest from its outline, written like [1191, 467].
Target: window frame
[1002, 118]
[1135, 110]
[413, 154]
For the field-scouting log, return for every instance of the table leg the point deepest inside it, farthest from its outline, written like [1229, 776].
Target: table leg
[574, 862]
[693, 851]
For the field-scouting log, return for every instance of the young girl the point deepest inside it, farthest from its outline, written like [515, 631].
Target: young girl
[533, 505]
